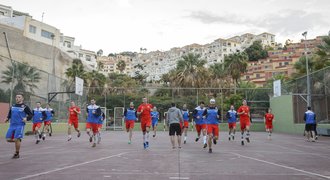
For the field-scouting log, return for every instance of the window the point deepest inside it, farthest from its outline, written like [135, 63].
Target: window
[88, 58]
[32, 29]
[80, 55]
[286, 63]
[258, 75]
[280, 64]
[247, 77]
[46, 34]
[67, 44]
[266, 67]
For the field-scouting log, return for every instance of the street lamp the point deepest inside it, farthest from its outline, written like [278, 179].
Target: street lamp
[307, 72]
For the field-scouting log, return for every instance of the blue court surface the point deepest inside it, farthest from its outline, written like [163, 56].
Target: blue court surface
[284, 157]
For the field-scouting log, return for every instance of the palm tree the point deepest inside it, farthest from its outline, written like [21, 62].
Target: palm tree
[95, 80]
[190, 72]
[23, 76]
[235, 65]
[100, 65]
[218, 75]
[121, 65]
[322, 58]
[99, 52]
[76, 70]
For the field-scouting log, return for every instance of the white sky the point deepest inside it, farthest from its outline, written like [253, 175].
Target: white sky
[127, 25]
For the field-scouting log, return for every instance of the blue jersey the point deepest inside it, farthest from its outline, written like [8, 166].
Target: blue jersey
[212, 114]
[310, 117]
[50, 113]
[185, 114]
[232, 116]
[39, 115]
[154, 116]
[198, 115]
[94, 113]
[101, 118]
[17, 113]
[130, 114]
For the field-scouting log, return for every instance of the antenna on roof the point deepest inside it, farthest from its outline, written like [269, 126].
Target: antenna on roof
[42, 16]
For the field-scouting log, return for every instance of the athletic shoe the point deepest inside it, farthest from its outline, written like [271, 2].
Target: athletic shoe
[129, 142]
[196, 139]
[316, 137]
[214, 141]
[90, 139]
[37, 142]
[99, 140]
[16, 156]
[69, 139]
[78, 135]
[154, 135]
[43, 136]
[144, 145]
[179, 147]
[40, 135]
[228, 138]
[184, 142]
[233, 137]
[50, 134]
[210, 150]
[242, 143]
[205, 145]
[94, 145]
[247, 139]
[147, 144]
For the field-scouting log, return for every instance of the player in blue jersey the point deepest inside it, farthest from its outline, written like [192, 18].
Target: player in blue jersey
[18, 114]
[154, 120]
[212, 117]
[185, 125]
[130, 116]
[310, 123]
[50, 114]
[93, 115]
[39, 115]
[200, 122]
[99, 126]
[232, 118]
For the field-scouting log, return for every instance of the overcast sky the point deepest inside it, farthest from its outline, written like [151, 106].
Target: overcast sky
[127, 25]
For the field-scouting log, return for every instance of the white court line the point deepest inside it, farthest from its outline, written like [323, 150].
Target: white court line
[283, 166]
[68, 167]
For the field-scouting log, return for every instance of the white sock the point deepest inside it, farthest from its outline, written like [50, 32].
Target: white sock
[147, 137]
[94, 137]
[69, 136]
[144, 138]
[204, 139]
[185, 138]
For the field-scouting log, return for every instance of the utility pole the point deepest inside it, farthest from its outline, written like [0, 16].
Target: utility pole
[307, 72]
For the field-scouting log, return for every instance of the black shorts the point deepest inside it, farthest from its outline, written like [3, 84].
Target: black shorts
[175, 129]
[310, 127]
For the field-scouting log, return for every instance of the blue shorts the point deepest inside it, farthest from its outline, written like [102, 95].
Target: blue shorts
[154, 123]
[15, 132]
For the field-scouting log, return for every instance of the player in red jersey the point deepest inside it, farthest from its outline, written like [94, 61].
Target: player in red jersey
[74, 112]
[268, 120]
[244, 119]
[144, 111]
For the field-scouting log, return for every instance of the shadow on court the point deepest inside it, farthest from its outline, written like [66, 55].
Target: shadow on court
[283, 157]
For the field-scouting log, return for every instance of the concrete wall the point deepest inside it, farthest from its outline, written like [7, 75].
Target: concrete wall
[283, 111]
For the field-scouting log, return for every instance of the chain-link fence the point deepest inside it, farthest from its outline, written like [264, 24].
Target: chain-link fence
[320, 95]
[35, 84]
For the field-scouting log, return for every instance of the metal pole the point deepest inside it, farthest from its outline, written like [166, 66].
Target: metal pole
[307, 72]
[13, 71]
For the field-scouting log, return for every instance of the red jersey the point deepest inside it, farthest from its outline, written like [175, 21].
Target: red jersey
[269, 118]
[72, 113]
[145, 110]
[245, 116]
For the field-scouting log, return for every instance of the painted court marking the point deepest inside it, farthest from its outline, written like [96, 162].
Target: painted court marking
[68, 167]
[283, 166]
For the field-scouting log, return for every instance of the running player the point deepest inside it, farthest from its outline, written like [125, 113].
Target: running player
[244, 118]
[130, 117]
[39, 115]
[18, 114]
[93, 115]
[99, 126]
[232, 117]
[185, 126]
[310, 120]
[74, 111]
[154, 118]
[50, 114]
[144, 111]
[268, 120]
[200, 122]
[212, 114]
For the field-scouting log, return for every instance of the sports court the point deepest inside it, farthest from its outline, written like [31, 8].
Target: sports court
[283, 157]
